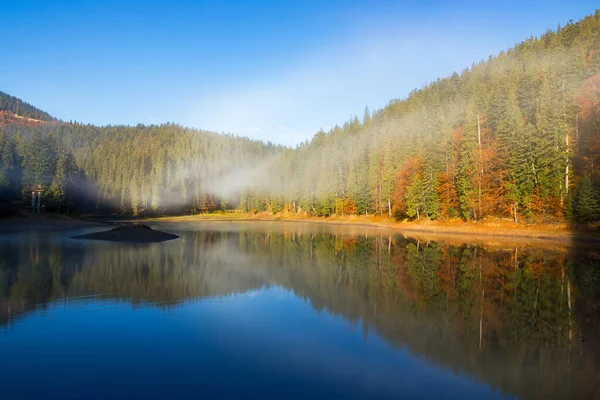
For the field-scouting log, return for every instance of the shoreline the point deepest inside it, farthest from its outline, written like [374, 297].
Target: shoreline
[450, 230]
[28, 221]
[453, 229]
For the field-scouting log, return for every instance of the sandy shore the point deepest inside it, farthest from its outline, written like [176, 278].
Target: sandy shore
[502, 231]
[467, 230]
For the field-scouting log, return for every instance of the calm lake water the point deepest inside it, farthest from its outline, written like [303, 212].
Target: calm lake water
[292, 310]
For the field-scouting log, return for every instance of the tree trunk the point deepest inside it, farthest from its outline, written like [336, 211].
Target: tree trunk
[480, 162]
[566, 139]
[567, 164]
[379, 195]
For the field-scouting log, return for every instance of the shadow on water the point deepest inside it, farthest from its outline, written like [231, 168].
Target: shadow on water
[525, 320]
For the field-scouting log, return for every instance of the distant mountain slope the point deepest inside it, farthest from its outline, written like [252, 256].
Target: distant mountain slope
[13, 107]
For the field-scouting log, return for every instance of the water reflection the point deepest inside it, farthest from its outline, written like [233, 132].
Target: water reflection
[524, 320]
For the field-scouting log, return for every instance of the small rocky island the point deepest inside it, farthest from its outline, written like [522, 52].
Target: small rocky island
[137, 233]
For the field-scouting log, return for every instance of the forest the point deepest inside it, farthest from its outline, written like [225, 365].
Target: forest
[516, 136]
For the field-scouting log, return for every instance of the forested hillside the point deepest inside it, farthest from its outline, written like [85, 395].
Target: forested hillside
[163, 168]
[516, 136]
[12, 105]
[513, 136]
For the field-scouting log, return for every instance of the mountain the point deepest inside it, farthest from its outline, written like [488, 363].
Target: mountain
[515, 136]
[15, 110]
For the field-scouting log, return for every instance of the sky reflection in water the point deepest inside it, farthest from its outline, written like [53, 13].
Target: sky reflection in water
[294, 310]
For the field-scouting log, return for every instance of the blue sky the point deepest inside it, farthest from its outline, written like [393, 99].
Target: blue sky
[271, 70]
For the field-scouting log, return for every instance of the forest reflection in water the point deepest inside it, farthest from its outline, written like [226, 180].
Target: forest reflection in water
[523, 320]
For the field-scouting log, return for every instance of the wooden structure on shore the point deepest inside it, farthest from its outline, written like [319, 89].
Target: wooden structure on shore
[36, 199]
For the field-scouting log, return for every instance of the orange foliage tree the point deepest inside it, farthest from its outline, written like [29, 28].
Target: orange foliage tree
[403, 179]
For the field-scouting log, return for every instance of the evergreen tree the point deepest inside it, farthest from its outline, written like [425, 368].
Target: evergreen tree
[587, 204]
[414, 198]
[366, 117]
[465, 173]
[61, 183]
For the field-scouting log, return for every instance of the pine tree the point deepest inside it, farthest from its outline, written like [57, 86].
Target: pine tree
[422, 198]
[57, 193]
[587, 206]
[360, 189]
[7, 161]
[515, 139]
[367, 117]
[465, 173]
[414, 199]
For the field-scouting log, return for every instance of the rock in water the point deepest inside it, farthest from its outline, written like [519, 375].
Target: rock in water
[138, 233]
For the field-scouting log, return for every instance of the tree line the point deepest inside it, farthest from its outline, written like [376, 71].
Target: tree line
[164, 168]
[515, 136]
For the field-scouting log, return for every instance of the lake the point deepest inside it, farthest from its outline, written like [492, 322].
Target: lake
[295, 310]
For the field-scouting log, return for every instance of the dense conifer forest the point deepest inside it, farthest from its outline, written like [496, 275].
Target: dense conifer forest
[14, 106]
[516, 136]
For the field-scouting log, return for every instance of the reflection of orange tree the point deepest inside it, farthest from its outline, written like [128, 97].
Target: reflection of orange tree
[403, 180]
